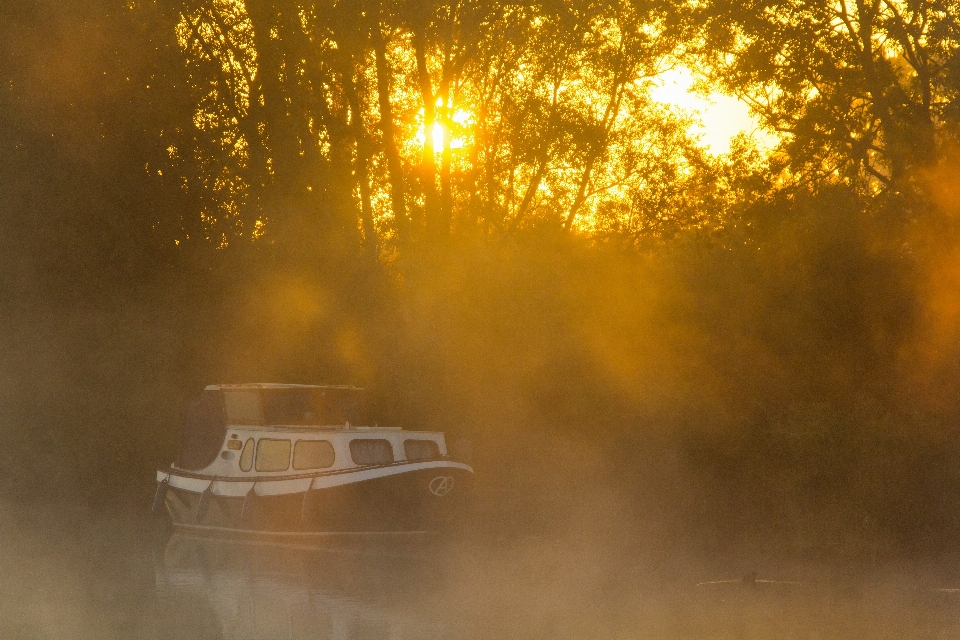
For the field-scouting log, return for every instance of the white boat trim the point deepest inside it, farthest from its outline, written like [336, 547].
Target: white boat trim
[281, 488]
[231, 489]
[278, 485]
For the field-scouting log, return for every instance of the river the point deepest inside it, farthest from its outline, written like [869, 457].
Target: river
[78, 573]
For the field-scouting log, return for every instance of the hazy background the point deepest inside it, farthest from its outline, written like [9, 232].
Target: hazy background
[779, 381]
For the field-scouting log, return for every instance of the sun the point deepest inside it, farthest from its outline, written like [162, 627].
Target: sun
[720, 117]
[438, 132]
[461, 121]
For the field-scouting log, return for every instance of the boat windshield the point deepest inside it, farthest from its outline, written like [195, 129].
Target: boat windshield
[312, 406]
[289, 406]
[202, 431]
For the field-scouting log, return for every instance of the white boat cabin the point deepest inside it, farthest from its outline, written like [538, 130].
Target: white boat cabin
[251, 430]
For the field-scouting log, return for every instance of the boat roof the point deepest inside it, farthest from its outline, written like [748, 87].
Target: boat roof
[277, 385]
[328, 428]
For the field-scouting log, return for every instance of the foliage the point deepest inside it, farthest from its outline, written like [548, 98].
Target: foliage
[865, 91]
[424, 118]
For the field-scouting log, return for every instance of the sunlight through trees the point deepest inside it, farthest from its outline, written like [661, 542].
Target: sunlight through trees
[865, 90]
[539, 115]
[388, 123]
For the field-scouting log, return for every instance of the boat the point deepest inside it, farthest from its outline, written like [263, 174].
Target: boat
[289, 460]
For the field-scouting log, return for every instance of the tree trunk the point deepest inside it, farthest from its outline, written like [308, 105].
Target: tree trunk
[428, 164]
[362, 165]
[446, 194]
[338, 190]
[597, 149]
[388, 128]
[279, 132]
[532, 188]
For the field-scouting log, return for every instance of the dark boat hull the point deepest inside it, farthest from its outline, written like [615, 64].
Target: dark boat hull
[410, 502]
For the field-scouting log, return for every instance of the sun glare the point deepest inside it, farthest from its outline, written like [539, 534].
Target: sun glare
[720, 117]
[462, 119]
[438, 135]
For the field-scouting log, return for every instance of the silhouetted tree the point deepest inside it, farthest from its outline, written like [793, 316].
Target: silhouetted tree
[864, 91]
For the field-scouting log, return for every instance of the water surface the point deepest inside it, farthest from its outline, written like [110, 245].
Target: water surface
[74, 573]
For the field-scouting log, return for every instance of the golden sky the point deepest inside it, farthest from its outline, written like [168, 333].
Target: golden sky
[721, 116]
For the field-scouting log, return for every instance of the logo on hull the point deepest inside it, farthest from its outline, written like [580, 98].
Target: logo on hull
[441, 486]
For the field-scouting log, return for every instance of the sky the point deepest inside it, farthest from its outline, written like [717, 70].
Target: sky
[721, 116]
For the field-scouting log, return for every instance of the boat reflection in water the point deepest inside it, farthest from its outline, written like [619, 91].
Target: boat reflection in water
[233, 590]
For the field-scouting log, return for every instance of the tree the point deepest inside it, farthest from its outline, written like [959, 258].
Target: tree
[419, 118]
[864, 91]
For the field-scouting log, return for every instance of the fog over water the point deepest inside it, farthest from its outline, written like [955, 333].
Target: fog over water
[83, 574]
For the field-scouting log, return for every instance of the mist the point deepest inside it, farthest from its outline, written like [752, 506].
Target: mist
[741, 428]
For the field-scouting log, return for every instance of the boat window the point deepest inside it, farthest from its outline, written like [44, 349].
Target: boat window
[421, 449]
[371, 451]
[289, 406]
[312, 454]
[246, 456]
[273, 455]
[243, 407]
